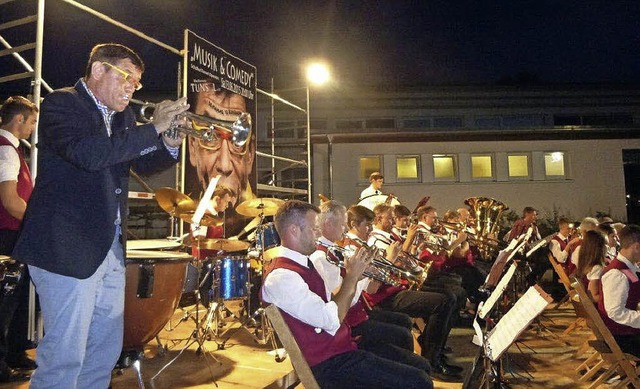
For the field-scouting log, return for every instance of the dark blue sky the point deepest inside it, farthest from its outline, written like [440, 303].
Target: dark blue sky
[371, 42]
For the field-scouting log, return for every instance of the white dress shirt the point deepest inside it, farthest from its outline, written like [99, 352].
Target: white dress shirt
[289, 292]
[574, 255]
[558, 253]
[369, 191]
[379, 238]
[9, 159]
[615, 290]
[330, 273]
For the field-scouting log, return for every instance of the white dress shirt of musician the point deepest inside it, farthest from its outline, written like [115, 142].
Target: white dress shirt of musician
[587, 224]
[375, 188]
[332, 222]
[616, 285]
[560, 253]
[288, 290]
[380, 236]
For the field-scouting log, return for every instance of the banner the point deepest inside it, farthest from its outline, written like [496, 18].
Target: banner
[221, 86]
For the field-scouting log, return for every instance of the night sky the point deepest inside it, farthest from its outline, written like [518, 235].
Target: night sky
[367, 42]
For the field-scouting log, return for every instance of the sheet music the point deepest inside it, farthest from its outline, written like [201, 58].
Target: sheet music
[516, 320]
[497, 293]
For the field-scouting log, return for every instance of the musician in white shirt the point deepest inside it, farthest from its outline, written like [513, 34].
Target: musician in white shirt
[376, 179]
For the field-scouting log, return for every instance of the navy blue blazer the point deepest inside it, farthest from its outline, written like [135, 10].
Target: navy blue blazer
[83, 177]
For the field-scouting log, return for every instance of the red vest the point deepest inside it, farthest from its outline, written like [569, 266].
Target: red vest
[567, 265]
[25, 187]
[316, 347]
[632, 300]
[356, 315]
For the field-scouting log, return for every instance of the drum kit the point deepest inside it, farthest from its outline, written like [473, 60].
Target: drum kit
[159, 273]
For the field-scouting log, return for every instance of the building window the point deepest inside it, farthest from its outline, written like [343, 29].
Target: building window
[554, 164]
[407, 167]
[488, 122]
[447, 122]
[518, 166]
[444, 167]
[417, 123]
[481, 166]
[369, 165]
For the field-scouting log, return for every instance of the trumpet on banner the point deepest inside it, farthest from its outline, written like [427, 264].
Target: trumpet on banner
[204, 127]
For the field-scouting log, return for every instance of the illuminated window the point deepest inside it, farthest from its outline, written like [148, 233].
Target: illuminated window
[407, 167]
[554, 164]
[444, 167]
[369, 165]
[481, 166]
[518, 165]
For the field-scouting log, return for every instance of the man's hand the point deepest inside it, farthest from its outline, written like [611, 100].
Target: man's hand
[356, 264]
[165, 115]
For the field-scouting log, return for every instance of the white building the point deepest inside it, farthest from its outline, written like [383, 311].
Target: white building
[556, 148]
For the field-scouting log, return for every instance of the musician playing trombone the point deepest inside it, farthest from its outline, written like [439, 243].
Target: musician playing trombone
[435, 306]
[386, 334]
[317, 318]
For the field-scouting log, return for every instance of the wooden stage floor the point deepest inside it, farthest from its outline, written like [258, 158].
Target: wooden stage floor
[542, 358]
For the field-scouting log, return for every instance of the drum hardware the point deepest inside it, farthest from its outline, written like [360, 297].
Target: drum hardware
[10, 274]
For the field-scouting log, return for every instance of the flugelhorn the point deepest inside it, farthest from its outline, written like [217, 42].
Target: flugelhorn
[202, 127]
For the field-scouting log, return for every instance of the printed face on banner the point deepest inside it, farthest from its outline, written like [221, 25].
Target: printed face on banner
[223, 155]
[222, 87]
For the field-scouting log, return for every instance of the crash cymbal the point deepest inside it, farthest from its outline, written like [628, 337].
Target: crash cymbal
[208, 220]
[219, 244]
[260, 206]
[174, 202]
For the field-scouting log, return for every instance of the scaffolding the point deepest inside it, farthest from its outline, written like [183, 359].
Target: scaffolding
[272, 188]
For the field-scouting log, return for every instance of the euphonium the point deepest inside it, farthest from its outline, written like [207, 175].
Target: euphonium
[486, 213]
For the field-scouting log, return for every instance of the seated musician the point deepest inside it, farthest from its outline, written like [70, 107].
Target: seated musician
[520, 227]
[220, 201]
[316, 318]
[401, 216]
[613, 243]
[563, 243]
[591, 263]
[375, 188]
[587, 224]
[620, 288]
[378, 334]
[434, 305]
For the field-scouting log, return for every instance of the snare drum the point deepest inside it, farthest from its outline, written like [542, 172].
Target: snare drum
[267, 237]
[231, 277]
[154, 281]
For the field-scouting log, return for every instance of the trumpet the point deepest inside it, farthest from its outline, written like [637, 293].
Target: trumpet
[202, 127]
[380, 270]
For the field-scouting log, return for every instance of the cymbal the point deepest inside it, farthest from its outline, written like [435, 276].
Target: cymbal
[260, 206]
[208, 220]
[174, 202]
[219, 244]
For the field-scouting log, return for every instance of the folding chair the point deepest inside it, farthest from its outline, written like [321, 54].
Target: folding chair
[572, 297]
[302, 372]
[611, 358]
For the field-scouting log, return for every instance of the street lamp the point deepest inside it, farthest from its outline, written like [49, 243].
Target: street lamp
[317, 75]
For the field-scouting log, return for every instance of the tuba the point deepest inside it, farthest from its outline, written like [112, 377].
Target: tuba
[486, 213]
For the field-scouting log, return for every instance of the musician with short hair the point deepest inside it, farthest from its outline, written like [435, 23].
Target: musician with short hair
[72, 237]
[18, 118]
[620, 290]
[316, 318]
[386, 335]
[587, 224]
[528, 220]
[435, 306]
[375, 188]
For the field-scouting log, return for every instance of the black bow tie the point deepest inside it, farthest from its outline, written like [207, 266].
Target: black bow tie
[310, 264]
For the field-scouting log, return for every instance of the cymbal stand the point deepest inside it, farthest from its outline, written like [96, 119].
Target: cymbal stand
[202, 326]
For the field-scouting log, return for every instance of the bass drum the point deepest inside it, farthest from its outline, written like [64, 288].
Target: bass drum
[154, 282]
[373, 200]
